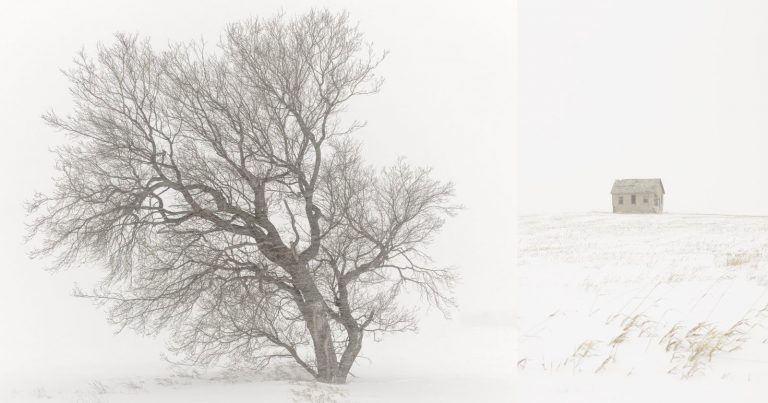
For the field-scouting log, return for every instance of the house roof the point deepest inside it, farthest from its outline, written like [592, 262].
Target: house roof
[637, 185]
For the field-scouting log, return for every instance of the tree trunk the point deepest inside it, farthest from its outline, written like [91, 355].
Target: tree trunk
[349, 356]
[322, 340]
[312, 306]
[329, 367]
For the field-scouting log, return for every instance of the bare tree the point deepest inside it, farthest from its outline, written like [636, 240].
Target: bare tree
[222, 191]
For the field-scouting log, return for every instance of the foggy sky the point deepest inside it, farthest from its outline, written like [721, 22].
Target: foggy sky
[622, 89]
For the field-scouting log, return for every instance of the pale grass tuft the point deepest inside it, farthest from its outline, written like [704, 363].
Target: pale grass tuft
[635, 324]
[694, 349]
[611, 358]
[741, 258]
[585, 350]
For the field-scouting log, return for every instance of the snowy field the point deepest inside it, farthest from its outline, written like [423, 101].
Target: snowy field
[639, 308]
[448, 361]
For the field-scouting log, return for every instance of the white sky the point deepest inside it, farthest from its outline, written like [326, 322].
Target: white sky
[635, 89]
[447, 103]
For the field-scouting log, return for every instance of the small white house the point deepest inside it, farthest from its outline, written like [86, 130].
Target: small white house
[638, 196]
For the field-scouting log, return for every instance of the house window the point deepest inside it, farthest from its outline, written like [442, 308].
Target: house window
[633, 200]
[645, 199]
[621, 199]
[656, 201]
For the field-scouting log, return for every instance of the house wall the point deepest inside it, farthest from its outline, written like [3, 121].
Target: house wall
[640, 206]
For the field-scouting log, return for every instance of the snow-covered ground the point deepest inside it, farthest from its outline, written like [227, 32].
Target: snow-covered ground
[465, 359]
[638, 308]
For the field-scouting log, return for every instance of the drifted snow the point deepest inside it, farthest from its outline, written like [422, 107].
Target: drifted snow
[468, 358]
[613, 308]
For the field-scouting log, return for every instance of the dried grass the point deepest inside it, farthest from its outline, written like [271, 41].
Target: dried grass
[741, 258]
[585, 350]
[693, 349]
[611, 358]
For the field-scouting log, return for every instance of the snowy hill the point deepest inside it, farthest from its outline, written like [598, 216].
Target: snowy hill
[666, 307]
